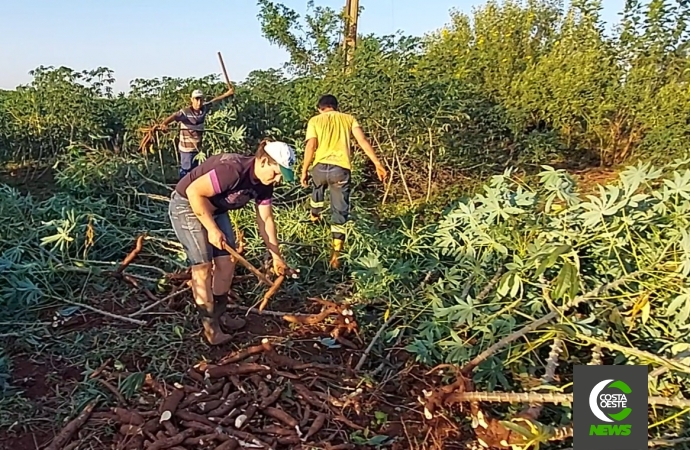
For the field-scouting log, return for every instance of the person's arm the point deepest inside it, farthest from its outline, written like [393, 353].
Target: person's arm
[309, 151]
[198, 194]
[368, 149]
[171, 118]
[229, 93]
[267, 230]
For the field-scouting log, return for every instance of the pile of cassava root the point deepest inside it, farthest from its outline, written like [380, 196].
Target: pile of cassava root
[252, 398]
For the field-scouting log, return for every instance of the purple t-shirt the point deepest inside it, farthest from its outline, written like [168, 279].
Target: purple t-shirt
[233, 179]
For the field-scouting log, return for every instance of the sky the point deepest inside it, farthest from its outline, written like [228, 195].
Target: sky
[152, 39]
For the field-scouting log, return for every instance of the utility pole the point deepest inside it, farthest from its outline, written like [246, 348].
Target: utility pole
[350, 41]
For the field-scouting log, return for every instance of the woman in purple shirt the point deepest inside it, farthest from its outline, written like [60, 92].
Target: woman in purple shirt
[198, 211]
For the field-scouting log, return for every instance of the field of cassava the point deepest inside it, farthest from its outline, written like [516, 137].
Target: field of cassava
[536, 217]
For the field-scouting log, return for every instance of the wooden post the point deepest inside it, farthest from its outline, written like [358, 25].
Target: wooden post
[350, 41]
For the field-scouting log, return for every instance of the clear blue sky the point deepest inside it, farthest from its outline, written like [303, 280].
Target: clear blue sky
[147, 39]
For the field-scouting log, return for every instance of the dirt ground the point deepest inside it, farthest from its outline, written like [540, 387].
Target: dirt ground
[388, 406]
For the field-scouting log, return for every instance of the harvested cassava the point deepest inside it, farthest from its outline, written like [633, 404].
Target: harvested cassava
[171, 441]
[249, 404]
[171, 402]
[316, 425]
[64, 436]
[282, 416]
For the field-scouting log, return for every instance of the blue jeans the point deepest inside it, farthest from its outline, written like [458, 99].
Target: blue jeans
[337, 180]
[188, 161]
[192, 234]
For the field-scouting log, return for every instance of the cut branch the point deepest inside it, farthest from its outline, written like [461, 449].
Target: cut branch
[545, 319]
[363, 358]
[668, 363]
[104, 313]
[535, 397]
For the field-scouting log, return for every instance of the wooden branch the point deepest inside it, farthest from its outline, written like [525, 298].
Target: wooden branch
[104, 313]
[158, 302]
[225, 72]
[545, 319]
[364, 356]
[248, 265]
[402, 176]
[120, 399]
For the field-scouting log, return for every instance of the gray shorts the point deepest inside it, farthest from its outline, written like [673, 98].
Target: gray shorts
[192, 234]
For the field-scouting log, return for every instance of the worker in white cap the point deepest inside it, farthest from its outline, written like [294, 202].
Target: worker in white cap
[191, 122]
[198, 211]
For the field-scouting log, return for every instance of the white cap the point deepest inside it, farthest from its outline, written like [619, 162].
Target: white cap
[197, 93]
[284, 155]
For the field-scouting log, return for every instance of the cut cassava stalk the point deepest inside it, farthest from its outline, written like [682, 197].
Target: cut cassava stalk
[239, 258]
[469, 367]
[551, 363]
[664, 362]
[103, 313]
[531, 397]
[64, 436]
[374, 340]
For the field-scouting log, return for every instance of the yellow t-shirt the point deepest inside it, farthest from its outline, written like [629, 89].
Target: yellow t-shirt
[333, 130]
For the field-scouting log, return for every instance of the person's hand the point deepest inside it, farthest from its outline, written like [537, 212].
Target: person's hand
[231, 90]
[381, 173]
[279, 267]
[216, 238]
[160, 127]
[304, 180]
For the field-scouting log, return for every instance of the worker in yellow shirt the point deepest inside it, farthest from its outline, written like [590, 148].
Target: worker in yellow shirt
[329, 141]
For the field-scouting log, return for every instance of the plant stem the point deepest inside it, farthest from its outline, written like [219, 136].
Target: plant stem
[548, 317]
[373, 341]
[670, 364]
